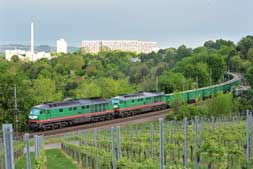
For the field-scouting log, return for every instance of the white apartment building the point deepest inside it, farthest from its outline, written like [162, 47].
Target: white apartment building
[94, 46]
[62, 46]
[26, 55]
[9, 53]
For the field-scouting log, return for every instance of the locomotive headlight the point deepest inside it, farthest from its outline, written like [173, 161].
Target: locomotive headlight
[33, 117]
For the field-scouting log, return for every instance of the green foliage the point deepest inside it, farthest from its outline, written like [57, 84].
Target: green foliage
[43, 90]
[169, 82]
[87, 89]
[244, 45]
[222, 104]
[41, 162]
[110, 73]
[219, 146]
[177, 102]
[249, 76]
[246, 101]
[55, 160]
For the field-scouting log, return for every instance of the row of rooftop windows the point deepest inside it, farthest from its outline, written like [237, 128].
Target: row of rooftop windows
[95, 106]
[156, 98]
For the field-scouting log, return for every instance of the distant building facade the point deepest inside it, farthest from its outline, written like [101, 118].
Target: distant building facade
[62, 46]
[94, 46]
[10, 53]
[26, 55]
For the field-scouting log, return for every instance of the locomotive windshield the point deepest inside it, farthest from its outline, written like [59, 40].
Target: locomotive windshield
[35, 112]
[115, 102]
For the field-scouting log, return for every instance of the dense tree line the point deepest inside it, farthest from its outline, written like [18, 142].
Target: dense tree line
[110, 73]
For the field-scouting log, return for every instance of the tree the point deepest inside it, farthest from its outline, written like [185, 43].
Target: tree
[111, 88]
[249, 76]
[250, 54]
[236, 63]
[216, 66]
[222, 104]
[15, 58]
[198, 72]
[43, 90]
[170, 82]
[182, 52]
[244, 45]
[87, 89]
[176, 103]
[138, 73]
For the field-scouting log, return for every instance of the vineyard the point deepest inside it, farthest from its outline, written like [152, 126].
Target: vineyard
[197, 143]
[215, 143]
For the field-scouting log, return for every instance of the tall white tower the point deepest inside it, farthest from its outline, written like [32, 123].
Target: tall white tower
[32, 38]
[62, 46]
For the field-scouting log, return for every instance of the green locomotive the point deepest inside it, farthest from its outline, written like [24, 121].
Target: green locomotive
[67, 113]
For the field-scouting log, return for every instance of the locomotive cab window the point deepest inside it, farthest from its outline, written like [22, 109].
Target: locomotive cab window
[35, 112]
[60, 110]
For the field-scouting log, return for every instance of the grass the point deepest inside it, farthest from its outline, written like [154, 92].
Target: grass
[21, 163]
[55, 160]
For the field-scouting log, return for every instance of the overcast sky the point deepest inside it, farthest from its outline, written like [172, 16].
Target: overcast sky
[169, 22]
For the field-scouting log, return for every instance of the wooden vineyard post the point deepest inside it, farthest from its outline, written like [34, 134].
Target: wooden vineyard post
[213, 125]
[161, 143]
[248, 135]
[196, 141]
[113, 159]
[95, 144]
[86, 152]
[118, 143]
[185, 141]
[151, 140]
[36, 146]
[27, 146]
[131, 142]
[8, 146]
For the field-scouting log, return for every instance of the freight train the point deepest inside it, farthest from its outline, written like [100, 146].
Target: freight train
[67, 113]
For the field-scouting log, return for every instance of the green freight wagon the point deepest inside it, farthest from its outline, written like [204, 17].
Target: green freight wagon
[191, 96]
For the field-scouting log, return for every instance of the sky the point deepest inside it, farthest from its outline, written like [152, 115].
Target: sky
[169, 22]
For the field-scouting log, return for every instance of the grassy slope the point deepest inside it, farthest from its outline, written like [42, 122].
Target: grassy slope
[55, 160]
[21, 163]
